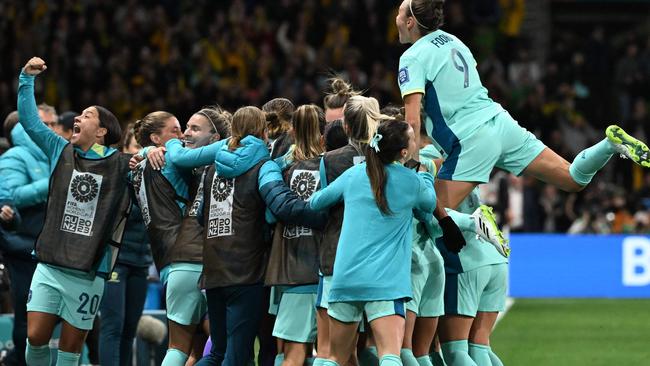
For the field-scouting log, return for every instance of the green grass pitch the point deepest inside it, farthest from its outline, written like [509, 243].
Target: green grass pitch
[561, 332]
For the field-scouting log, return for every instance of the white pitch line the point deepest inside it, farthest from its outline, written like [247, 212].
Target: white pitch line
[509, 302]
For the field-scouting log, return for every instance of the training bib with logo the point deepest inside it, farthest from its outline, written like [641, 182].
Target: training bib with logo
[87, 208]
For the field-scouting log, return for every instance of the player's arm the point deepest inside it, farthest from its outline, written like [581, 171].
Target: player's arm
[411, 78]
[48, 141]
[412, 105]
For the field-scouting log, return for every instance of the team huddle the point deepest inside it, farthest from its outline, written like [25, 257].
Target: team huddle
[359, 228]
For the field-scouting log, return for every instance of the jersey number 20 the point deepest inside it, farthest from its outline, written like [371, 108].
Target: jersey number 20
[457, 56]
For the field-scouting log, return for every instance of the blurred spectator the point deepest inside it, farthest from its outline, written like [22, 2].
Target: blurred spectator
[139, 56]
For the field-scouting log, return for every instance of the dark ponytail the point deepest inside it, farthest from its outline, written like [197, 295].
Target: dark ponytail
[391, 138]
[428, 14]
[278, 116]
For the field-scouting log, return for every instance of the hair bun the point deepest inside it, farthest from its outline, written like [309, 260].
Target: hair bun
[339, 86]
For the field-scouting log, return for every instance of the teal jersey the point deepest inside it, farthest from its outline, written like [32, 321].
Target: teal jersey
[477, 253]
[52, 145]
[424, 251]
[443, 69]
[375, 250]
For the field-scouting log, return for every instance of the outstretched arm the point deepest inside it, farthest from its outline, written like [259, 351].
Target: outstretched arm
[48, 141]
[192, 158]
[330, 195]
[283, 202]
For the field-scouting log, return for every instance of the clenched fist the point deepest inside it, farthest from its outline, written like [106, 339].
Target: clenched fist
[6, 214]
[34, 66]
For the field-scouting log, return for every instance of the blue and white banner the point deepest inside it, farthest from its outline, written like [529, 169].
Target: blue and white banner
[559, 265]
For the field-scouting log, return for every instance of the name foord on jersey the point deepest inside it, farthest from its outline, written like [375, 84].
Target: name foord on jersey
[196, 204]
[441, 40]
[141, 192]
[221, 203]
[304, 183]
[81, 203]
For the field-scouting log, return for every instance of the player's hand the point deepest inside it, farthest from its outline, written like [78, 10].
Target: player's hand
[451, 235]
[134, 161]
[6, 214]
[34, 66]
[156, 157]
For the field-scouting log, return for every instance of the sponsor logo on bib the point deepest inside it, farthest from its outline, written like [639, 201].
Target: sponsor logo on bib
[220, 215]
[141, 192]
[194, 210]
[81, 203]
[304, 183]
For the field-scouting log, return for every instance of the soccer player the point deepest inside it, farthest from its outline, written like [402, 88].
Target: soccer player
[126, 289]
[86, 211]
[372, 268]
[360, 119]
[243, 184]
[334, 101]
[438, 73]
[163, 196]
[293, 261]
[278, 114]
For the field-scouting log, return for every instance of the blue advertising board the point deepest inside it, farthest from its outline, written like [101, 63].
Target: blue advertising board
[560, 265]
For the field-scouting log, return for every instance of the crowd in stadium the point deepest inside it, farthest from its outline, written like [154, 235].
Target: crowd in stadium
[142, 56]
[330, 128]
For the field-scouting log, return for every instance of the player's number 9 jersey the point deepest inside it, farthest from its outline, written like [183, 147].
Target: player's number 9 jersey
[443, 69]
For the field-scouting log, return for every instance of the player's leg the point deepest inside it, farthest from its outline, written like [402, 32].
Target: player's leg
[523, 153]
[462, 294]
[343, 324]
[451, 193]
[423, 332]
[387, 320]
[40, 326]
[436, 352]
[406, 353]
[322, 320]
[186, 307]
[70, 344]
[493, 301]
[296, 325]
[479, 337]
[367, 355]
[454, 334]
[431, 306]
[81, 297]
[468, 164]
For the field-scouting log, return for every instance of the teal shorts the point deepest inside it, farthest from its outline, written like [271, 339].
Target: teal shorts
[323, 294]
[73, 297]
[500, 142]
[428, 289]
[352, 311]
[296, 318]
[482, 289]
[186, 302]
[274, 300]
